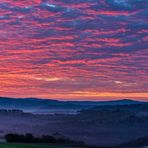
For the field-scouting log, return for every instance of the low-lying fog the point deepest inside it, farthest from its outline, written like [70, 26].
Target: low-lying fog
[106, 125]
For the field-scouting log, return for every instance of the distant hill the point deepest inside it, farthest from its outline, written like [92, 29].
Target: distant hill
[121, 102]
[46, 104]
[139, 142]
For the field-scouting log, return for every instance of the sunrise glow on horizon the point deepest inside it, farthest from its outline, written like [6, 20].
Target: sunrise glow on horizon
[74, 49]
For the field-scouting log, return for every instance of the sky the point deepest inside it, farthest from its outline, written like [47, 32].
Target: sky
[74, 49]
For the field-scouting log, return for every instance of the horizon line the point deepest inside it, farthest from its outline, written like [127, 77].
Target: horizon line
[67, 100]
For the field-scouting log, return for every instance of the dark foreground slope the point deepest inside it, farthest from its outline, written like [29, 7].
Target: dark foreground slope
[139, 142]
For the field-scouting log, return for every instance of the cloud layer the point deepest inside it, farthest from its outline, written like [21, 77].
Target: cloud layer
[74, 48]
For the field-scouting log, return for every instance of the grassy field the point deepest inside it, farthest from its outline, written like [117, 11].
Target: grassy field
[32, 146]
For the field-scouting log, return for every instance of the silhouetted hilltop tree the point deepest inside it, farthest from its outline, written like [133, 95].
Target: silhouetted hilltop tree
[48, 139]
[29, 138]
[15, 138]
[11, 111]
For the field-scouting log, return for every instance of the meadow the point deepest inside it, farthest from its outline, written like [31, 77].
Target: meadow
[14, 145]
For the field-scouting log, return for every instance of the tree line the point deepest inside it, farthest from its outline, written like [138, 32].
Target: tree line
[11, 111]
[29, 138]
